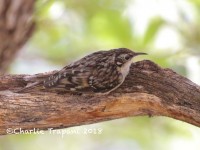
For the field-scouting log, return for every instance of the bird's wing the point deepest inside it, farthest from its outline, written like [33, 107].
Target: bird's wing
[96, 72]
[75, 74]
[69, 78]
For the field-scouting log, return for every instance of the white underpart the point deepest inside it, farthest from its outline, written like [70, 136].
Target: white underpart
[124, 70]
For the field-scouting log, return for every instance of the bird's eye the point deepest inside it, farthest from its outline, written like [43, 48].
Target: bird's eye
[127, 57]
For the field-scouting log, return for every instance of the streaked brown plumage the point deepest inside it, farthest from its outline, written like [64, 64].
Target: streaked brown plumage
[100, 72]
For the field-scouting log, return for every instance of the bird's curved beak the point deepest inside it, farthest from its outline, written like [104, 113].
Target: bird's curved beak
[136, 54]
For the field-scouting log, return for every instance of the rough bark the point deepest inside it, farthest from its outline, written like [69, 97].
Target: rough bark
[148, 90]
[16, 26]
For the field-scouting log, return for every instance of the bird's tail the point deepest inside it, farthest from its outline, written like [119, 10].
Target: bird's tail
[30, 86]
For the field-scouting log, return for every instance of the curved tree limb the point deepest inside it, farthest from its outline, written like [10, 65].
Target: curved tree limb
[148, 90]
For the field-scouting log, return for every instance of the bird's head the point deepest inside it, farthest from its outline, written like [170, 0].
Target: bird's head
[124, 55]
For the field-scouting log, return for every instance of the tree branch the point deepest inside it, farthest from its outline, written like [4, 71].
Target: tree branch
[16, 27]
[148, 90]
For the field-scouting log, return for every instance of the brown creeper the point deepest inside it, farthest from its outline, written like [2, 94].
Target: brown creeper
[101, 72]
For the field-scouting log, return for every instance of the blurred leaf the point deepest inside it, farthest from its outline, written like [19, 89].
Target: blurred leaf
[109, 26]
[42, 9]
[195, 2]
[152, 29]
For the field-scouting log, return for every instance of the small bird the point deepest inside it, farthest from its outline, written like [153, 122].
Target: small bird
[99, 72]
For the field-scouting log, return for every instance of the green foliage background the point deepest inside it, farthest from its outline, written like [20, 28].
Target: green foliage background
[68, 29]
